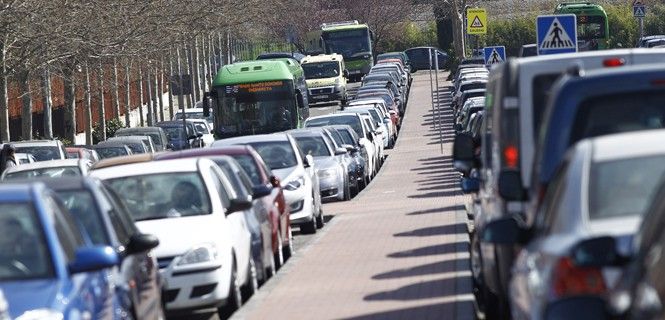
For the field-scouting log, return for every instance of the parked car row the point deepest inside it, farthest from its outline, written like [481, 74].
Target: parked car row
[565, 170]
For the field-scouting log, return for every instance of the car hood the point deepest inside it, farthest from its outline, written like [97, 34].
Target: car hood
[28, 295]
[198, 229]
[287, 174]
[325, 82]
[322, 163]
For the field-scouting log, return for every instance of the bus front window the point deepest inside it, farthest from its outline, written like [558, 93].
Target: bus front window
[590, 28]
[351, 44]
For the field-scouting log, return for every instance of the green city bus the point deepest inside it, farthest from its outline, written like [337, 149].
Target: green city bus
[350, 39]
[593, 32]
[255, 97]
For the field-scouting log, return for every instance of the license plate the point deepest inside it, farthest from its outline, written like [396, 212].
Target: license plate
[354, 72]
[320, 97]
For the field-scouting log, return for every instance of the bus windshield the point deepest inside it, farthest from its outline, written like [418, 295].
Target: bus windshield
[590, 27]
[351, 44]
[253, 108]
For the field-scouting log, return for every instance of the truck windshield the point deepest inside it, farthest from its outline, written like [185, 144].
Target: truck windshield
[253, 108]
[320, 70]
[349, 43]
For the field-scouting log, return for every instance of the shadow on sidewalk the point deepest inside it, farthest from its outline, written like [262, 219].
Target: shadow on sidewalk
[425, 269]
[434, 231]
[432, 311]
[436, 210]
[445, 248]
[421, 290]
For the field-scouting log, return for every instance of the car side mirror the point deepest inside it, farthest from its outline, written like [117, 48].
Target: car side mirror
[345, 73]
[141, 242]
[308, 161]
[261, 191]
[510, 185]
[191, 137]
[95, 258]
[239, 204]
[351, 149]
[505, 231]
[340, 151]
[199, 135]
[597, 252]
[274, 182]
[470, 185]
[464, 154]
[586, 307]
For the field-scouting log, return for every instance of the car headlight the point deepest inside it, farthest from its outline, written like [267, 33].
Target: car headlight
[367, 56]
[326, 173]
[202, 253]
[41, 314]
[295, 184]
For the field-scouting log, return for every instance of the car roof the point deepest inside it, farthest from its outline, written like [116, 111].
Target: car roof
[119, 161]
[135, 138]
[46, 164]
[628, 145]
[253, 138]
[143, 168]
[173, 123]
[34, 143]
[331, 116]
[306, 132]
[204, 152]
[472, 91]
[68, 183]
[140, 129]
[109, 144]
[15, 191]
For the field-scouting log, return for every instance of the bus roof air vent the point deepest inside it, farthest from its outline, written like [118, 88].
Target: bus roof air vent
[257, 68]
[244, 69]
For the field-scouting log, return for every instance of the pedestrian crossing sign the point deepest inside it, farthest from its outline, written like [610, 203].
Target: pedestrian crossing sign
[556, 34]
[494, 55]
[639, 11]
[476, 21]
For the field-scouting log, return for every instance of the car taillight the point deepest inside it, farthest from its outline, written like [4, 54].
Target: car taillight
[658, 82]
[510, 156]
[569, 279]
[614, 62]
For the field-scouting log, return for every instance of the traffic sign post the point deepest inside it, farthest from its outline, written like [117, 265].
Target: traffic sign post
[494, 55]
[639, 12]
[556, 34]
[476, 21]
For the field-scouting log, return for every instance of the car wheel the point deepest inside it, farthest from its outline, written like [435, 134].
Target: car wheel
[234, 300]
[309, 227]
[252, 284]
[347, 191]
[278, 261]
[320, 222]
[288, 249]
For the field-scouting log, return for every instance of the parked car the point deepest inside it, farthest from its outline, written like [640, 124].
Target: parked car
[42, 150]
[356, 150]
[23, 158]
[262, 179]
[296, 173]
[158, 135]
[528, 50]
[108, 223]
[603, 188]
[202, 127]
[48, 169]
[48, 258]
[420, 57]
[194, 113]
[209, 266]
[333, 178]
[380, 104]
[109, 149]
[135, 140]
[181, 136]
[396, 55]
[82, 153]
[136, 144]
[377, 118]
[470, 107]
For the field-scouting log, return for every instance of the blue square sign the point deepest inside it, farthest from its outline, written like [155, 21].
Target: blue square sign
[556, 34]
[494, 55]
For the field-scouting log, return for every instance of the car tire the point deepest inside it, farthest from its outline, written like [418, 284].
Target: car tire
[278, 260]
[234, 300]
[308, 227]
[288, 249]
[347, 190]
[320, 222]
[252, 284]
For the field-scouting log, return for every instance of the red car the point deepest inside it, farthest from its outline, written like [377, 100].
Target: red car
[82, 153]
[261, 176]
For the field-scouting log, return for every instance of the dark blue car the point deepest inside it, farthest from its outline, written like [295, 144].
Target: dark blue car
[181, 135]
[107, 222]
[48, 267]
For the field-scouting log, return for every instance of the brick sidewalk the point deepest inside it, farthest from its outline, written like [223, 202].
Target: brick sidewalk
[397, 251]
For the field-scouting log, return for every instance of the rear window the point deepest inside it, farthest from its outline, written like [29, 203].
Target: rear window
[618, 113]
[44, 173]
[352, 121]
[541, 87]
[314, 146]
[83, 207]
[623, 187]
[249, 165]
[277, 154]
[41, 153]
[111, 152]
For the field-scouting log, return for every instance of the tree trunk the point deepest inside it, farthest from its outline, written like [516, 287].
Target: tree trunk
[128, 103]
[140, 91]
[48, 103]
[116, 89]
[188, 70]
[26, 111]
[4, 99]
[102, 109]
[69, 97]
[87, 106]
[159, 88]
[171, 102]
[181, 97]
[148, 85]
[196, 70]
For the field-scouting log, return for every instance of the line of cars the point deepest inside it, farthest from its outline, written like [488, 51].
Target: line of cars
[565, 170]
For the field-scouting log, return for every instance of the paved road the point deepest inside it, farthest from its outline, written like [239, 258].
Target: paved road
[397, 251]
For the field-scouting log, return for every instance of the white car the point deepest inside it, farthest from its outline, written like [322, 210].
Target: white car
[48, 169]
[384, 124]
[356, 122]
[23, 158]
[189, 204]
[194, 113]
[373, 129]
[296, 173]
[203, 128]
[381, 105]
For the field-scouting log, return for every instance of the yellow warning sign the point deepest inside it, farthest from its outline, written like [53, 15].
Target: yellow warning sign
[476, 21]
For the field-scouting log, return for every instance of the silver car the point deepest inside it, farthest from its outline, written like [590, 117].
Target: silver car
[603, 188]
[333, 179]
[48, 169]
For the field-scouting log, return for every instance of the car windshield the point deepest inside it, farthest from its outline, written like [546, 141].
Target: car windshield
[375, 115]
[82, 206]
[352, 121]
[314, 146]
[346, 137]
[193, 115]
[174, 133]
[276, 154]
[156, 138]
[249, 165]
[623, 187]
[110, 152]
[73, 155]
[318, 70]
[23, 250]
[41, 153]
[53, 172]
[136, 147]
[163, 195]
[201, 128]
